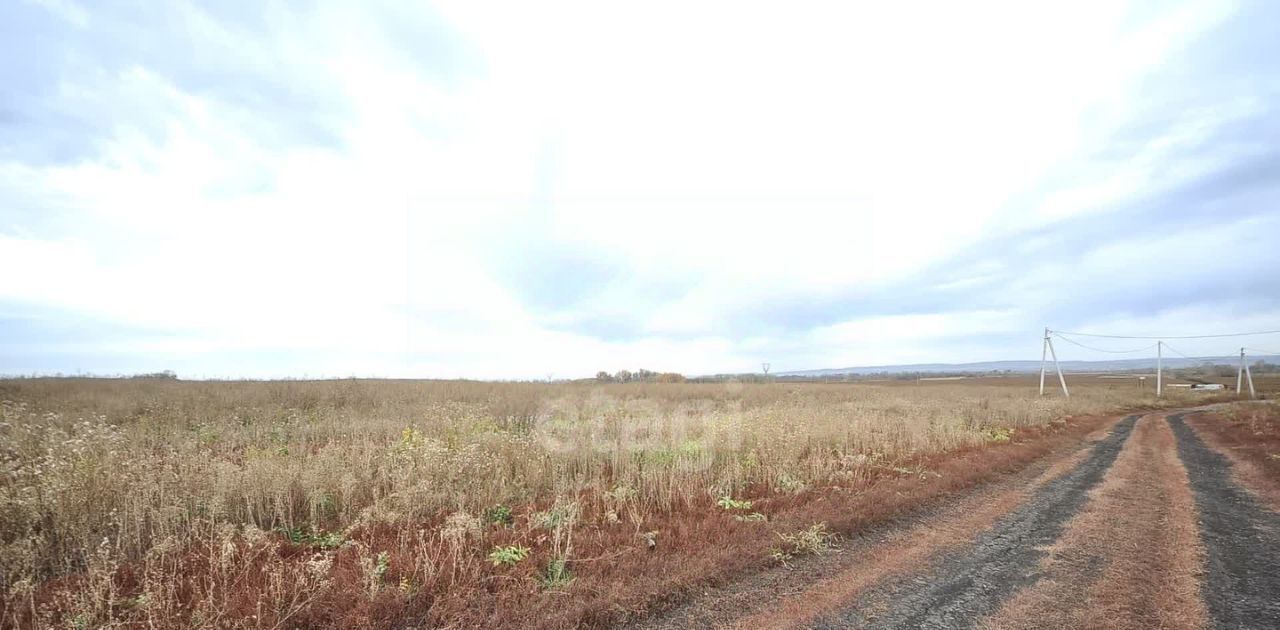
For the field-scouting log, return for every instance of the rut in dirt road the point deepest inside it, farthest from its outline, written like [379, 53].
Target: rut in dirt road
[1131, 558]
[965, 586]
[1241, 539]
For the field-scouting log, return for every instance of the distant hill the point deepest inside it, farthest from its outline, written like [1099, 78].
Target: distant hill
[1118, 365]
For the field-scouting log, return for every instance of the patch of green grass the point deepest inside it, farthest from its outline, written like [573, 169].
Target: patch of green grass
[305, 536]
[691, 448]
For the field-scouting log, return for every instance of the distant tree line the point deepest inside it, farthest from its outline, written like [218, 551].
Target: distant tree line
[642, 376]
[1262, 367]
[1220, 370]
[844, 377]
[167, 375]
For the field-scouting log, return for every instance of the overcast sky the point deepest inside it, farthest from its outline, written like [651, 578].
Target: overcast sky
[520, 190]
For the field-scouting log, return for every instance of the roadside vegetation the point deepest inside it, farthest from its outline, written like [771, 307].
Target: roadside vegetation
[179, 504]
[1252, 431]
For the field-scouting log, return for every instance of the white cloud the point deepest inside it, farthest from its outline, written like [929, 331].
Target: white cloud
[710, 161]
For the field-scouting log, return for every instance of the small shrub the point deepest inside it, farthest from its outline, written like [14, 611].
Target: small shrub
[811, 541]
[509, 555]
[559, 520]
[999, 434]
[661, 456]
[729, 503]
[814, 540]
[557, 517]
[459, 526]
[557, 574]
[790, 485]
[780, 556]
[296, 535]
[375, 569]
[499, 515]
[411, 438]
[621, 493]
[328, 540]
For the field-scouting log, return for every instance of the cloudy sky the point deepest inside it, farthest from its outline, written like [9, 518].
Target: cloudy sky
[519, 190]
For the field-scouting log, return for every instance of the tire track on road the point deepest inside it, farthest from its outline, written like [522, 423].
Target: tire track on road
[1131, 559]
[1241, 538]
[964, 586]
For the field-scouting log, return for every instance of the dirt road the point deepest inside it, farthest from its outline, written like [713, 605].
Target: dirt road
[1145, 526]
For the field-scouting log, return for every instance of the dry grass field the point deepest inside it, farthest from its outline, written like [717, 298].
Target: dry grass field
[171, 504]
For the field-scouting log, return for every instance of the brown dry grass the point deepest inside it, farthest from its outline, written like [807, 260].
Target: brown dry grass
[1131, 558]
[162, 503]
[1249, 435]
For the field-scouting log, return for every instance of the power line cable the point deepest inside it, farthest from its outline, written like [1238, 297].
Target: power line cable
[1180, 353]
[1074, 342]
[1242, 334]
[1264, 351]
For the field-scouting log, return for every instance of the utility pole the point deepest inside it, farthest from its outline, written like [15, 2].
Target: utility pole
[1240, 374]
[1057, 366]
[1248, 375]
[1044, 351]
[1048, 347]
[765, 367]
[1159, 371]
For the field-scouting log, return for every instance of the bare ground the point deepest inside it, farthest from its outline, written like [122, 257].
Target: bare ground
[1131, 558]
[961, 587]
